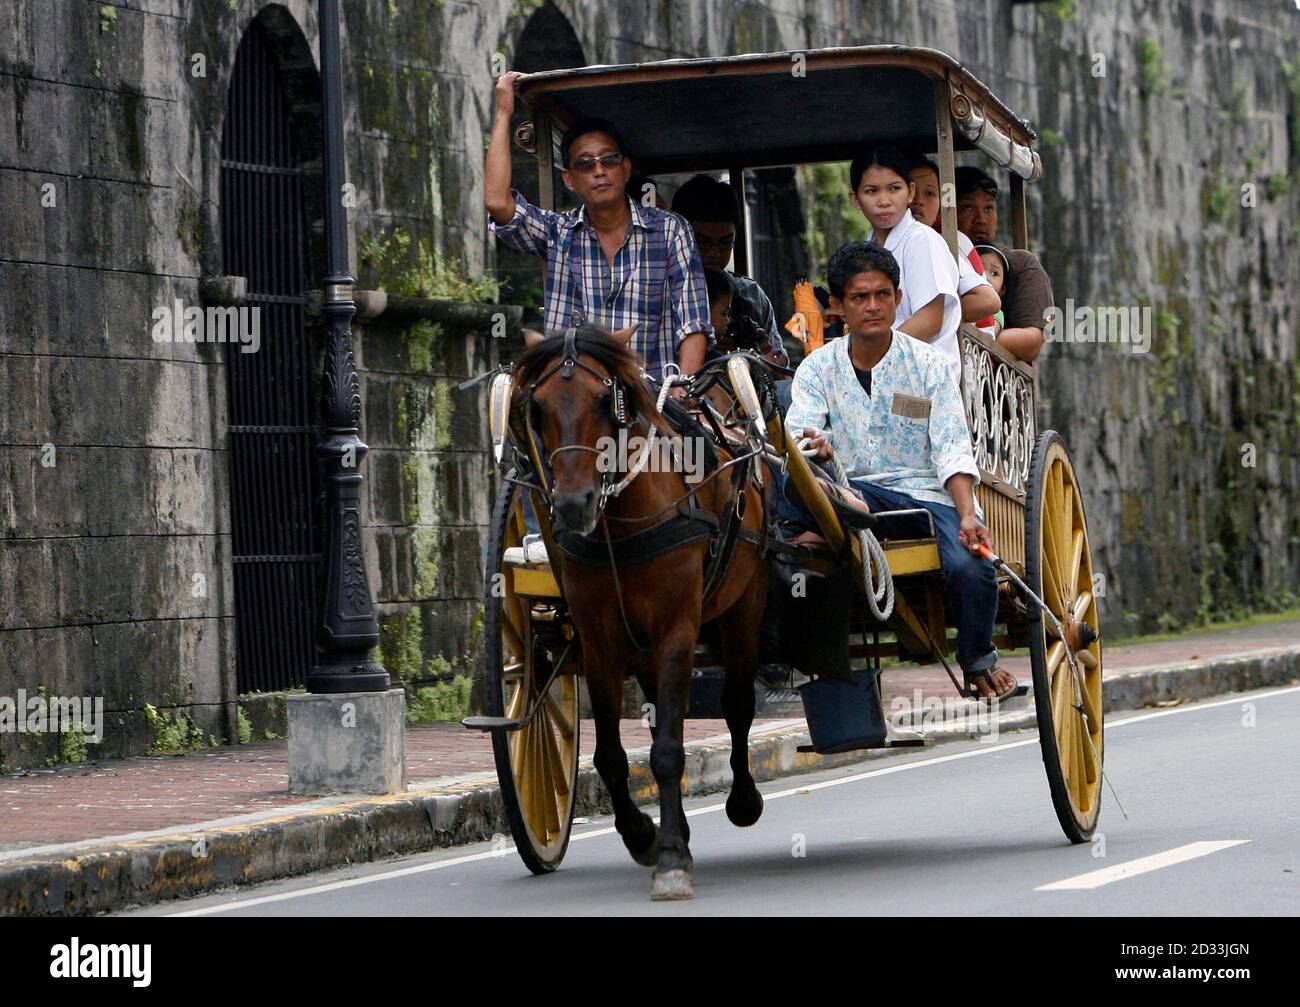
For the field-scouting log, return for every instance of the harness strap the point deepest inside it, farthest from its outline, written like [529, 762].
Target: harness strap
[642, 546]
[722, 548]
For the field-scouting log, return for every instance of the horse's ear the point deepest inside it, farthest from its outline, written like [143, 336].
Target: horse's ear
[624, 336]
[532, 337]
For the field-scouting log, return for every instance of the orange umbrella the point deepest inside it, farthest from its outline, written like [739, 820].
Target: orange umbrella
[807, 323]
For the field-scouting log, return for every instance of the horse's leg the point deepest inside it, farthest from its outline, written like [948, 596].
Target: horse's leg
[740, 642]
[639, 833]
[674, 657]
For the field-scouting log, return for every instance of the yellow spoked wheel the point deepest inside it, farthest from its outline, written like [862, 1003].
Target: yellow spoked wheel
[1059, 568]
[537, 765]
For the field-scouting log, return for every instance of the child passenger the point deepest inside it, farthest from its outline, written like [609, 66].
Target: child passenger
[929, 309]
[977, 304]
[995, 271]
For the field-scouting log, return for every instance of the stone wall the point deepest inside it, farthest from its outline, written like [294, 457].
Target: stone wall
[1153, 116]
[115, 576]
[103, 535]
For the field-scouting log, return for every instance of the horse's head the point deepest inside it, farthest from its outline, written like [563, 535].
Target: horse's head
[574, 401]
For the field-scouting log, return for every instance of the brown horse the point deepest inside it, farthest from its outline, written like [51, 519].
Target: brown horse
[644, 616]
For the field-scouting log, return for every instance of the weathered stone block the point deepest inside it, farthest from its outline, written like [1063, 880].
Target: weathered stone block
[352, 742]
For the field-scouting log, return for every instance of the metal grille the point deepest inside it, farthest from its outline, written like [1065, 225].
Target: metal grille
[274, 481]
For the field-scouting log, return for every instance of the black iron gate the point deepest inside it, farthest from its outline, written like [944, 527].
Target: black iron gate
[274, 482]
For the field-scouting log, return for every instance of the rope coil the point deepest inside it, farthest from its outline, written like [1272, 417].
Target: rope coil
[878, 585]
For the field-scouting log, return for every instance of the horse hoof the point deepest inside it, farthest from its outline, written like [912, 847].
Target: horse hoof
[745, 809]
[649, 856]
[672, 886]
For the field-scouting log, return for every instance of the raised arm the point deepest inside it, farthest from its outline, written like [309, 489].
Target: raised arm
[687, 298]
[980, 302]
[496, 176]
[926, 323]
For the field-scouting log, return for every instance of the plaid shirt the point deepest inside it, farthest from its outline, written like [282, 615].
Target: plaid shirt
[657, 279]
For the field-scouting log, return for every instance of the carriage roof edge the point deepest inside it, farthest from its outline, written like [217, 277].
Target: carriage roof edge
[719, 134]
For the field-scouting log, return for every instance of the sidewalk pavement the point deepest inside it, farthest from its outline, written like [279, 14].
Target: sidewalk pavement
[95, 837]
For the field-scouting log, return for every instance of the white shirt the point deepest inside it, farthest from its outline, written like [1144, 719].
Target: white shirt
[927, 270]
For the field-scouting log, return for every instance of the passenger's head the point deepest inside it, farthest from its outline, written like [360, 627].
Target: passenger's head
[977, 204]
[925, 200]
[721, 290]
[595, 163]
[995, 267]
[863, 281]
[711, 208]
[882, 186]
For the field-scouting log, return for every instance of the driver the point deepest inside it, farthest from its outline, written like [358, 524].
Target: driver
[889, 404]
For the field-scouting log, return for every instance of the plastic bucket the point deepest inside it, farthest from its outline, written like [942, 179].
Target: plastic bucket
[843, 717]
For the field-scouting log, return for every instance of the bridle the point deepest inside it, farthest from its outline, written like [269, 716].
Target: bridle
[686, 521]
[620, 414]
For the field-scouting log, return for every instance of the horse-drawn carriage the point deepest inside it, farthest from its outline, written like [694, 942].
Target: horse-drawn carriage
[732, 114]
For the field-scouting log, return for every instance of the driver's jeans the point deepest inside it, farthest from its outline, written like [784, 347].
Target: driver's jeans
[971, 582]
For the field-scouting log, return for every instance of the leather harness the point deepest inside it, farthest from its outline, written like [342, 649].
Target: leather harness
[689, 523]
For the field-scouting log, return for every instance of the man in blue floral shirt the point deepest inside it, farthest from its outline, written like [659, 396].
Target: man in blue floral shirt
[889, 406]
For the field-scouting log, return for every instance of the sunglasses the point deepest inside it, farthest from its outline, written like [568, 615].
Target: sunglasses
[586, 164]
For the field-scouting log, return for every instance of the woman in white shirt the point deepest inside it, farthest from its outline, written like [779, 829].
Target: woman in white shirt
[930, 309]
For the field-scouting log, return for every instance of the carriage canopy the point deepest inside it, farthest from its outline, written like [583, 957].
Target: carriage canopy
[820, 105]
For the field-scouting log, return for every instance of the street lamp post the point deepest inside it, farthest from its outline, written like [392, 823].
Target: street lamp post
[348, 630]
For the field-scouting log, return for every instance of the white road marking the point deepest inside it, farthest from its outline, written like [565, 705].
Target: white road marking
[402, 872]
[1143, 865]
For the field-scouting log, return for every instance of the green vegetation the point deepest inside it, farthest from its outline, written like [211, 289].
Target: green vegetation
[446, 701]
[400, 640]
[1173, 629]
[173, 732]
[107, 18]
[1066, 10]
[1292, 70]
[1216, 200]
[419, 343]
[1052, 140]
[831, 217]
[1278, 185]
[1152, 63]
[410, 271]
[72, 746]
[243, 729]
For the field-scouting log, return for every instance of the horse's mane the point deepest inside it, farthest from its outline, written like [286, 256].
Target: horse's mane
[595, 342]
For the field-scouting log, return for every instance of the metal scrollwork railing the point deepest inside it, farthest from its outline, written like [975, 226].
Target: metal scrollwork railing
[1000, 412]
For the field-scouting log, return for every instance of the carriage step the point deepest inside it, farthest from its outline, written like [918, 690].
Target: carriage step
[492, 723]
[917, 742]
[531, 553]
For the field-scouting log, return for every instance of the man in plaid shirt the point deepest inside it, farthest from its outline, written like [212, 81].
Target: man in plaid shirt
[612, 261]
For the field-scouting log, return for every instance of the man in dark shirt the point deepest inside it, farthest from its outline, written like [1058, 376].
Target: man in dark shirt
[1028, 292]
[710, 207]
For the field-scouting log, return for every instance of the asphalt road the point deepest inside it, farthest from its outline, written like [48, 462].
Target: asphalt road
[957, 830]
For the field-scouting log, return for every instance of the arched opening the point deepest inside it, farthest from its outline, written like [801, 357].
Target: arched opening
[547, 42]
[267, 216]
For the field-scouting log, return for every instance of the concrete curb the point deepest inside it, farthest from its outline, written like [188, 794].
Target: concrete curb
[102, 875]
